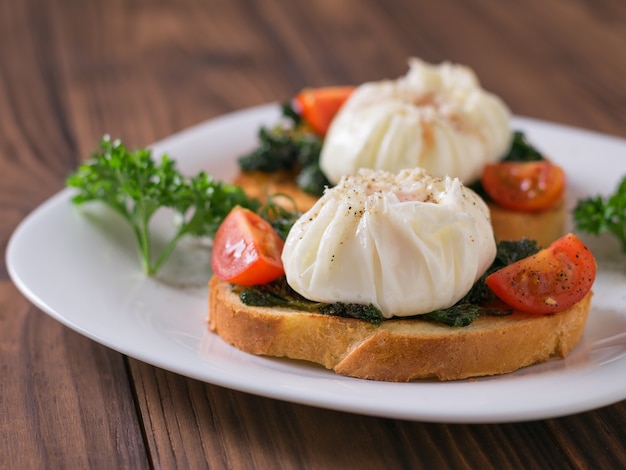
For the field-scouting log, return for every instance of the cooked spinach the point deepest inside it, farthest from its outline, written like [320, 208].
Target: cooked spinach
[463, 314]
[289, 146]
[522, 150]
[279, 294]
[507, 252]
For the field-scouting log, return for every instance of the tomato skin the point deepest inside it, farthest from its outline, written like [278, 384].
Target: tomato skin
[318, 106]
[246, 249]
[549, 281]
[524, 186]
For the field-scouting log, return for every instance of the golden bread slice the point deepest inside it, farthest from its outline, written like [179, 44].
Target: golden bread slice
[542, 226]
[261, 185]
[399, 350]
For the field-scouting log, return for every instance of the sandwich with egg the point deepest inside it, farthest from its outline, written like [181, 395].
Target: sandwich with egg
[396, 277]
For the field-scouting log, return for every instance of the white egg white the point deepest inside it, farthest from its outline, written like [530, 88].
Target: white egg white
[408, 243]
[437, 117]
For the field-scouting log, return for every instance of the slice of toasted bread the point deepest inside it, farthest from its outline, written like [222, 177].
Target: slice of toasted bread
[399, 350]
[542, 226]
[261, 185]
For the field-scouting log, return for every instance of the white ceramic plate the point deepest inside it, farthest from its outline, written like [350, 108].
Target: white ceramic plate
[81, 267]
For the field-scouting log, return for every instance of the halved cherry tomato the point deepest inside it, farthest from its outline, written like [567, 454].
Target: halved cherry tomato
[246, 249]
[549, 281]
[524, 186]
[318, 106]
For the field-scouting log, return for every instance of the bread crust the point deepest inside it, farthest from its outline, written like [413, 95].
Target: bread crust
[399, 350]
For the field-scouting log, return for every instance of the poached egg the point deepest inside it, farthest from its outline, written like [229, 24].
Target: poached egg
[437, 117]
[408, 243]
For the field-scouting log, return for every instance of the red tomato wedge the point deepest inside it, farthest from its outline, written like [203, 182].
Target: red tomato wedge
[524, 186]
[318, 106]
[246, 249]
[549, 281]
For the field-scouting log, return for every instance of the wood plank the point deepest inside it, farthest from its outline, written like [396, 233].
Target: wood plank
[581, 436]
[65, 400]
[195, 425]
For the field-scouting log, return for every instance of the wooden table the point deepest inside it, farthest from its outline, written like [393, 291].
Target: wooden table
[71, 71]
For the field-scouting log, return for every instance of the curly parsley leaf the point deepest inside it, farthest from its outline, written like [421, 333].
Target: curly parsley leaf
[598, 214]
[136, 186]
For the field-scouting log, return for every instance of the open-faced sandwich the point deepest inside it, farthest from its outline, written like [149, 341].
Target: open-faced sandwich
[394, 277]
[436, 117]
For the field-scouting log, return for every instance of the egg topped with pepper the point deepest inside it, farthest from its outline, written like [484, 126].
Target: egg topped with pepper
[437, 117]
[408, 243]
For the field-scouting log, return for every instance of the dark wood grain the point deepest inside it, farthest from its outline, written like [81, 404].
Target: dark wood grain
[65, 400]
[592, 439]
[250, 432]
[141, 70]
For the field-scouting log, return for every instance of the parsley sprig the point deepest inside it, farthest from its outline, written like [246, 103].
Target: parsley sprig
[137, 187]
[598, 214]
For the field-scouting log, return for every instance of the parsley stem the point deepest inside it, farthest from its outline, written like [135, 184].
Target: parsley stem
[620, 233]
[143, 240]
[137, 187]
[165, 253]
